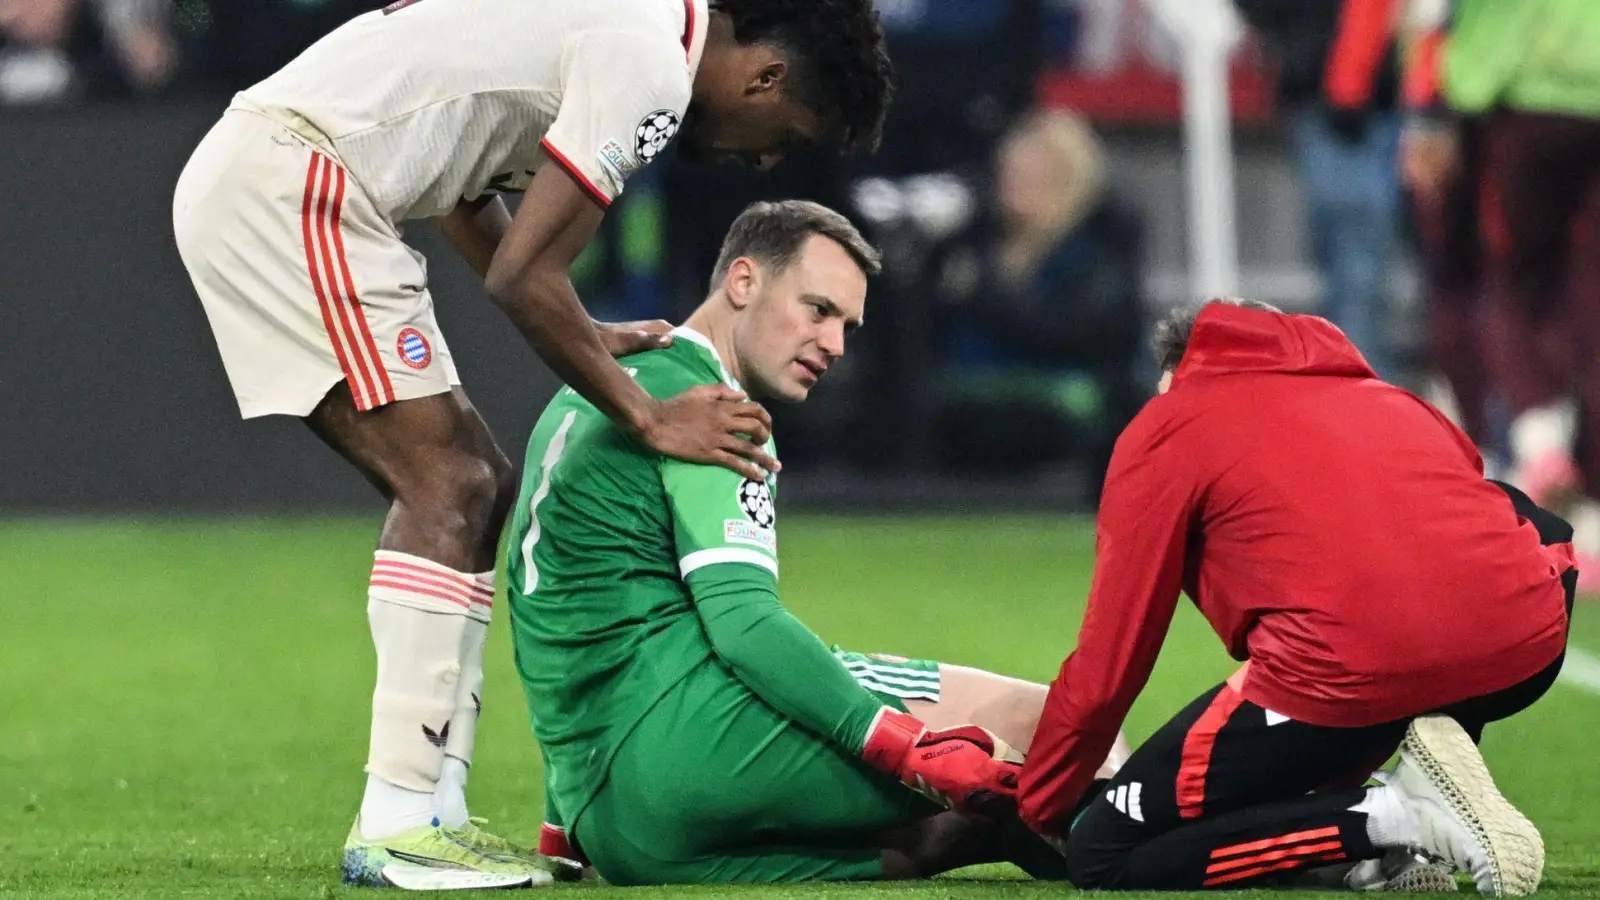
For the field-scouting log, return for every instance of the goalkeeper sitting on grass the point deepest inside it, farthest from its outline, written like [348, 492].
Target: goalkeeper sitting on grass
[693, 730]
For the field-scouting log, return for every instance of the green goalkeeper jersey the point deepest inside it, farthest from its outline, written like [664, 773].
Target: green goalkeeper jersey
[628, 570]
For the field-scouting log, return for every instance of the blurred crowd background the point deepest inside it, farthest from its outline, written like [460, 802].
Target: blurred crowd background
[1030, 199]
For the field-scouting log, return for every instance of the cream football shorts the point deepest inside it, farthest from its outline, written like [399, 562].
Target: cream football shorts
[304, 282]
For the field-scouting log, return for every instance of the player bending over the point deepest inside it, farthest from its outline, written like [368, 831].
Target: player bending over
[1340, 537]
[692, 729]
[289, 219]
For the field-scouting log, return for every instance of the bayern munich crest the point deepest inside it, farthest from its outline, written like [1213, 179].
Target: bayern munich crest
[414, 349]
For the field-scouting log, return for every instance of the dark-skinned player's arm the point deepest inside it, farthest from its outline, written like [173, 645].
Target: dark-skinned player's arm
[527, 277]
[476, 228]
[1141, 535]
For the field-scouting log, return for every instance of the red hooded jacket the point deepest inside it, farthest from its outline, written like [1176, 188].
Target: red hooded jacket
[1336, 531]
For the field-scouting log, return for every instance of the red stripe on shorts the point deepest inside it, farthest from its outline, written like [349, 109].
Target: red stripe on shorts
[1197, 746]
[364, 391]
[386, 388]
[313, 266]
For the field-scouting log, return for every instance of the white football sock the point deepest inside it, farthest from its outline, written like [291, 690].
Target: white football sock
[388, 809]
[418, 610]
[469, 703]
[452, 794]
[1389, 821]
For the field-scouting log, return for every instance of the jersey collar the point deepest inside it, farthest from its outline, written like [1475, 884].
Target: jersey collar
[684, 332]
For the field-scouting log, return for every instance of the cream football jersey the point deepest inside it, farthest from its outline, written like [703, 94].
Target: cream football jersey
[430, 102]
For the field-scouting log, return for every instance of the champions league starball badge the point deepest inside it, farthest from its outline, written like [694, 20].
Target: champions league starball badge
[755, 501]
[653, 135]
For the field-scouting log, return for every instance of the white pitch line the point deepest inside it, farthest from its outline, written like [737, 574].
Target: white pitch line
[1581, 670]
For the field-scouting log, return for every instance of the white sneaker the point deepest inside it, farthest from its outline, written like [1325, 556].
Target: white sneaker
[1461, 816]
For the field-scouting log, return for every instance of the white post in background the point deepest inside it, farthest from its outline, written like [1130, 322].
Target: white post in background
[1208, 150]
[1206, 32]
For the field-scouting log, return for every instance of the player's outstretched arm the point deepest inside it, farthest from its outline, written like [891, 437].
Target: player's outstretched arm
[1142, 531]
[476, 228]
[789, 668]
[527, 277]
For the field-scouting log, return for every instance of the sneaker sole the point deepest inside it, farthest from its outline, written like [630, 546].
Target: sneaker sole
[361, 869]
[1451, 762]
[1421, 879]
[422, 878]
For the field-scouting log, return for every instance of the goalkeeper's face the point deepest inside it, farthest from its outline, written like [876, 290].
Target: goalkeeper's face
[790, 326]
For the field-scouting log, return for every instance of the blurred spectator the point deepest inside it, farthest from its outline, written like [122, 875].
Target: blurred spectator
[1339, 82]
[140, 34]
[1441, 165]
[1451, 252]
[37, 64]
[1043, 316]
[34, 65]
[1530, 73]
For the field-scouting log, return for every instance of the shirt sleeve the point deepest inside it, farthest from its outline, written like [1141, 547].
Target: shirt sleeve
[778, 658]
[720, 518]
[623, 96]
[1140, 540]
[725, 531]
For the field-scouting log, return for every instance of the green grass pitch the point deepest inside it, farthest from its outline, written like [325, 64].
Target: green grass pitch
[185, 703]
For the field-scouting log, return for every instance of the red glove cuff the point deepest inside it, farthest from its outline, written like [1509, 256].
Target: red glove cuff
[891, 737]
[553, 841]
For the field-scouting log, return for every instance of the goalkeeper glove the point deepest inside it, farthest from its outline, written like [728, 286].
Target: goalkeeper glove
[554, 843]
[965, 768]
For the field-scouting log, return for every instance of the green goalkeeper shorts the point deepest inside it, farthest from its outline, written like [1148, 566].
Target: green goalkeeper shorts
[715, 787]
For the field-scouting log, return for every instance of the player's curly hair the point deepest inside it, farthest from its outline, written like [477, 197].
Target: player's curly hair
[1169, 340]
[838, 65]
